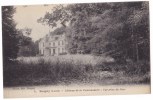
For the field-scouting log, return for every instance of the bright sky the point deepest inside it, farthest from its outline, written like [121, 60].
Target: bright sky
[27, 17]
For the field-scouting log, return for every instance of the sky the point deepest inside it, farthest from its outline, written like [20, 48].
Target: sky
[26, 17]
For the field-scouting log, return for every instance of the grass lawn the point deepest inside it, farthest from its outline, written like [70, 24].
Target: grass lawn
[74, 69]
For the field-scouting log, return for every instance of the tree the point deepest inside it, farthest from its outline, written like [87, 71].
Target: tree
[120, 30]
[27, 47]
[9, 33]
[29, 50]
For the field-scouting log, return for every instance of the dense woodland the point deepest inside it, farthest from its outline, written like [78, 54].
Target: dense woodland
[120, 30]
[16, 42]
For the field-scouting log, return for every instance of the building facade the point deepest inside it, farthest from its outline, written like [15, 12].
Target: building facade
[52, 45]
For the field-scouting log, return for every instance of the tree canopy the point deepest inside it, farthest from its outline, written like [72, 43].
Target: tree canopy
[120, 29]
[27, 47]
[9, 31]
[15, 40]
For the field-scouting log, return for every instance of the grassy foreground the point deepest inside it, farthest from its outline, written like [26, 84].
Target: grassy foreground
[65, 70]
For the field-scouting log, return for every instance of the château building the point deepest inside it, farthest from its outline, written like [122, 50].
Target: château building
[52, 45]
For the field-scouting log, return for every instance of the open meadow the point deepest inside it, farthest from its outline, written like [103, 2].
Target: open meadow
[74, 69]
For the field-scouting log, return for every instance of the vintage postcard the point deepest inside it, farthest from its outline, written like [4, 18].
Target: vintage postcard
[76, 49]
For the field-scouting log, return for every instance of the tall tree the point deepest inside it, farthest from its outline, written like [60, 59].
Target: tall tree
[27, 47]
[9, 33]
[120, 30]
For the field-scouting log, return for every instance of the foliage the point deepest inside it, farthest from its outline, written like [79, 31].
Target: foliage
[120, 30]
[32, 71]
[58, 31]
[31, 49]
[16, 42]
[27, 47]
[23, 36]
[9, 32]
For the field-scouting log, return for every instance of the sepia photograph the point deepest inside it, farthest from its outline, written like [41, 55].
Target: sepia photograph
[76, 49]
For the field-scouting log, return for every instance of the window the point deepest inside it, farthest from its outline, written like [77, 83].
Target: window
[59, 50]
[50, 51]
[58, 42]
[53, 43]
[56, 38]
[43, 44]
[53, 51]
[62, 49]
[42, 51]
[62, 42]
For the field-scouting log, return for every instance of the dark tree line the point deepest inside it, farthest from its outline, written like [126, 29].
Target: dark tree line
[27, 46]
[30, 49]
[120, 29]
[15, 41]
[9, 33]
